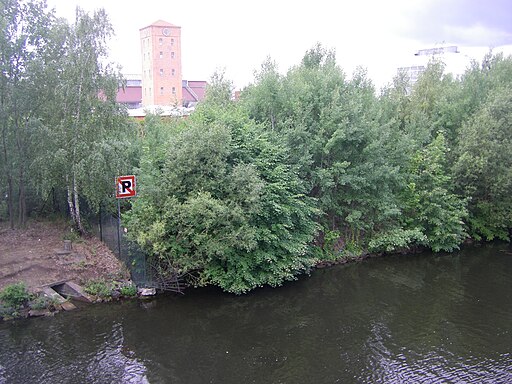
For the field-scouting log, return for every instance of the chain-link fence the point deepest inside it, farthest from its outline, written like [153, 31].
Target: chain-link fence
[109, 229]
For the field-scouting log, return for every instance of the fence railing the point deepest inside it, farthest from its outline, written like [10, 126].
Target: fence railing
[107, 229]
[143, 272]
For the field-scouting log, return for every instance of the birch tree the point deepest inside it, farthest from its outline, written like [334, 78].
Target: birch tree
[86, 132]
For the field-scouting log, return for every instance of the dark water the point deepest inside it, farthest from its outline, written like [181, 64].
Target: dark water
[408, 319]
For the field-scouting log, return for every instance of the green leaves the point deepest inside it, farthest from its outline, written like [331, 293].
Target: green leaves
[223, 203]
[430, 205]
[483, 170]
[238, 191]
[83, 123]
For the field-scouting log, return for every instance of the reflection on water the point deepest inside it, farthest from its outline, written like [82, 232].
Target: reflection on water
[408, 319]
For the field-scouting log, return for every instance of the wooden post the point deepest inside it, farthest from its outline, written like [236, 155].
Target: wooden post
[67, 245]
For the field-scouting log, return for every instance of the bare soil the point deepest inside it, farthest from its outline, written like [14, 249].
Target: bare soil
[35, 256]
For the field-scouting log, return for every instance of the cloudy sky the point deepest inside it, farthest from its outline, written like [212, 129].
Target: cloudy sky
[237, 35]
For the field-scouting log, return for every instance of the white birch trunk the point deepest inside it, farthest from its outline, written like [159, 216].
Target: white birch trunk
[77, 208]
[70, 203]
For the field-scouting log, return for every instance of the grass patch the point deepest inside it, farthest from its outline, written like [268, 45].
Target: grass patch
[129, 290]
[15, 295]
[98, 287]
[43, 302]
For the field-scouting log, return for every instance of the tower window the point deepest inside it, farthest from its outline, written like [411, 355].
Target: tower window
[160, 41]
[173, 71]
[161, 72]
[161, 90]
[173, 90]
[161, 54]
[172, 55]
[172, 41]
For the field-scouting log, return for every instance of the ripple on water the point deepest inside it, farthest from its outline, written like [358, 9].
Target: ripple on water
[414, 319]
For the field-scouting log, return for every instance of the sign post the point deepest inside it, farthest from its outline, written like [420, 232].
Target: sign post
[125, 188]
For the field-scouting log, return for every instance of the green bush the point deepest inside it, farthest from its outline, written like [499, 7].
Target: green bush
[128, 290]
[397, 239]
[15, 295]
[98, 287]
[43, 302]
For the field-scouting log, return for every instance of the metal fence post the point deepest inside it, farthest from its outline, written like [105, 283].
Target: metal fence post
[119, 228]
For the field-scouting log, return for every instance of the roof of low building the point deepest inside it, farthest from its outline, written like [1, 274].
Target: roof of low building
[160, 110]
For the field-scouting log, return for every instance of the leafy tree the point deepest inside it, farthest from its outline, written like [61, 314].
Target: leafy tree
[481, 79]
[331, 126]
[431, 206]
[88, 140]
[232, 193]
[23, 44]
[264, 99]
[434, 105]
[483, 171]
[223, 202]
[219, 90]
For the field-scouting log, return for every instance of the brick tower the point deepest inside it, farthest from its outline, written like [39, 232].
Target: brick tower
[161, 64]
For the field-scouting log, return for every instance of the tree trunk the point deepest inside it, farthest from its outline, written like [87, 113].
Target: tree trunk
[8, 175]
[78, 218]
[22, 205]
[272, 121]
[10, 201]
[70, 203]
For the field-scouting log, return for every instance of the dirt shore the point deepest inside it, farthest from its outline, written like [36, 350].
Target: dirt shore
[35, 256]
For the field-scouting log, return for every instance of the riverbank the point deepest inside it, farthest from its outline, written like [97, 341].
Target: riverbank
[36, 256]
[47, 257]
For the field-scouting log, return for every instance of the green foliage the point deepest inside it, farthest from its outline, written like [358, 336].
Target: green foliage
[483, 171]
[224, 203]
[380, 170]
[99, 288]
[86, 137]
[129, 290]
[235, 194]
[348, 158]
[336, 247]
[62, 133]
[25, 49]
[430, 204]
[15, 295]
[332, 246]
[397, 240]
[219, 90]
[43, 302]
[443, 173]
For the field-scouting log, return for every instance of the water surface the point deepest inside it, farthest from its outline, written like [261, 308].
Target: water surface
[406, 319]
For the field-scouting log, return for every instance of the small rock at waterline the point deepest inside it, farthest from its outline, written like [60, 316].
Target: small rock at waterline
[147, 291]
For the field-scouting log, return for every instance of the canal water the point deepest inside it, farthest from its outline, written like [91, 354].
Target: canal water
[398, 319]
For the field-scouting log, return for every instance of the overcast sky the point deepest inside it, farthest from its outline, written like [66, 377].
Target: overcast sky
[238, 35]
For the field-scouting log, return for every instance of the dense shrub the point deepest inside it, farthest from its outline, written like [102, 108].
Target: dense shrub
[15, 295]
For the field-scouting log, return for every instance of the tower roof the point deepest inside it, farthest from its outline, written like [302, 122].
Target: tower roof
[161, 23]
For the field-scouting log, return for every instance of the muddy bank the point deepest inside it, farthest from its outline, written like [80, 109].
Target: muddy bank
[36, 256]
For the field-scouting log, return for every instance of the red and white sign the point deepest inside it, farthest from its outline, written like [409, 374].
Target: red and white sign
[125, 187]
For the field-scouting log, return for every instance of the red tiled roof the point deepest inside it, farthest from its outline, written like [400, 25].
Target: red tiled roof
[129, 95]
